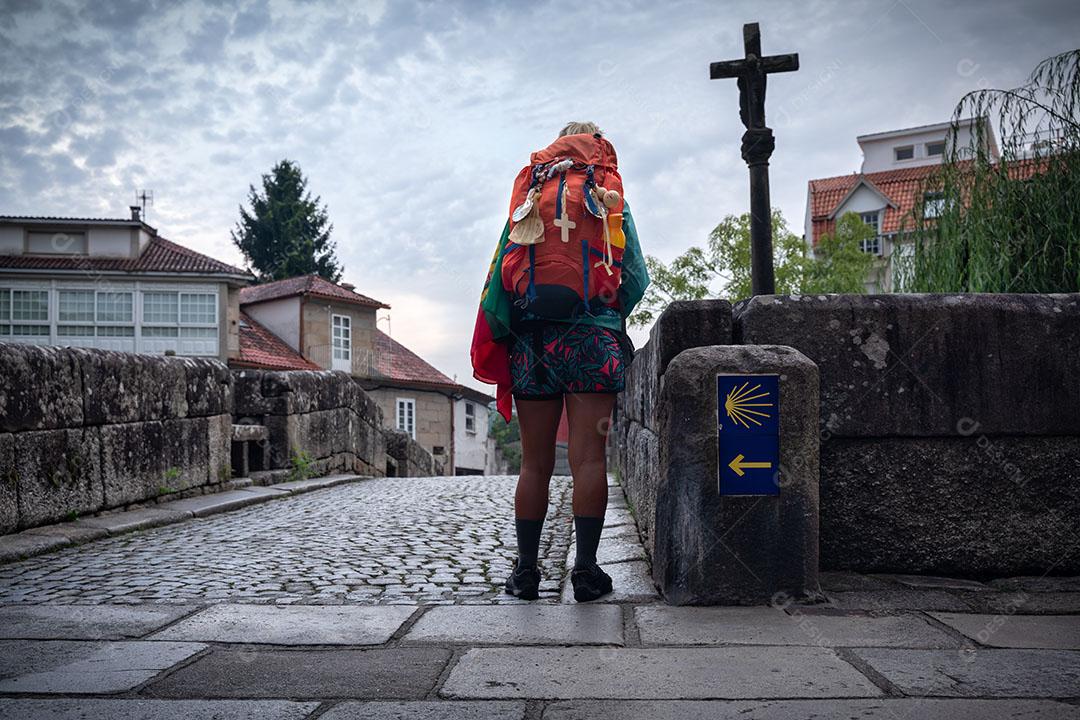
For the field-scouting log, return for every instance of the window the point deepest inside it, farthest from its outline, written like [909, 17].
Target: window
[341, 342]
[182, 321]
[871, 245]
[933, 204]
[904, 152]
[935, 148]
[437, 450]
[470, 417]
[24, 313]
[406, 416]
[56, 243]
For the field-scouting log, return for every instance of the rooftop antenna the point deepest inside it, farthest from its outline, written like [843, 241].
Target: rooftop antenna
[143, 197]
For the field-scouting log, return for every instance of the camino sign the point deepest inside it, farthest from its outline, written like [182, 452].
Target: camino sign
[748, 434]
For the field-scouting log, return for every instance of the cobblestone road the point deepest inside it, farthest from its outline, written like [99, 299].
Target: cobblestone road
[379, 541]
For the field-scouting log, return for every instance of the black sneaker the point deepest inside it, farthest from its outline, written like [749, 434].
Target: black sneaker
[523, 583]
[590, 583]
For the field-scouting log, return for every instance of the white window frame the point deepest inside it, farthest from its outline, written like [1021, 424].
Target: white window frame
[341, 342]
[95, 337]
[926, 148]
[470, 417]
[9, 323]
[405, 415]
[872, 245]
[898, 148]
[183, 345]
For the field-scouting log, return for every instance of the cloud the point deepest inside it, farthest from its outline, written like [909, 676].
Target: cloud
[411, 119]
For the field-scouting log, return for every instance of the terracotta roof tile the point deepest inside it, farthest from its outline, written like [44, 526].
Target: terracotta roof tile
[305, 285]
[260, 348]
[160, 255]
[394, 361]
[901, 188]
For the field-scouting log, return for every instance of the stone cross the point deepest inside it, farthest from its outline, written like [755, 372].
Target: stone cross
[757, 145]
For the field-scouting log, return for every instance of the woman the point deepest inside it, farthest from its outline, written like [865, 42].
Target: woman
[550, 333]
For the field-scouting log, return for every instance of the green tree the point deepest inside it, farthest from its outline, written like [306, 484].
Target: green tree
[507, 439]
[1007, 223]
[286, 233]
[839, 264]
[722, 267]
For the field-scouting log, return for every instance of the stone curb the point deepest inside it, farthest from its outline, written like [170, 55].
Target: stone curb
[48, 538]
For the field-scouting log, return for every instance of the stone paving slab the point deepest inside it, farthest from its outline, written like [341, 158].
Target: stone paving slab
[1050, 632]
[141, 709]
[933, 582]
[631, 582]
[617, 516]
[654, 673]
[664, 625]
[85, 622]
[129, 520]
[427, 710]
[377, 673]
[982, 673]
[30, 666]
[520, 625]
[892, 600]
[291, 624]
[887, 709]
[1028, 603]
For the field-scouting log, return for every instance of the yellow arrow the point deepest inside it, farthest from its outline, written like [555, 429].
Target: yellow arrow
[738, 465]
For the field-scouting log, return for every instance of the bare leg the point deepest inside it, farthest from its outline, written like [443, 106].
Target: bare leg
[589, 417]
[539, 423]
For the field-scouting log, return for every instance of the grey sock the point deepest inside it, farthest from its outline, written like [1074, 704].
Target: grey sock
[588, 531]
[528, 540]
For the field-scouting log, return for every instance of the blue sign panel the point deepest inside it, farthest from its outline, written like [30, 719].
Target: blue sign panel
[748, 434]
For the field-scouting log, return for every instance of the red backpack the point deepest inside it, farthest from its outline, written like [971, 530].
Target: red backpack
[565, 256]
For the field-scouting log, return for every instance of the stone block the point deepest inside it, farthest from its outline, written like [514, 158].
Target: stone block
[283, 440]
[661, 625]
[40, 388]
[338, 673]
[66, 668]
[219, 448]
[520, 625]
[143, 709]
[124, 387]
[1047, 632]
[291, 625]
[86, 622]
[641, 476]
[713, 549]
[963, 507]
[931, 365]
[145, 460]
[9, 495]
[654, 673]
[682, 325]
[982, 673]
[209, 387]
[427, 710]
[59, 474]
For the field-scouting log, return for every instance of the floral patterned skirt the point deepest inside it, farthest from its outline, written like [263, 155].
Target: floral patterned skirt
[550, 360]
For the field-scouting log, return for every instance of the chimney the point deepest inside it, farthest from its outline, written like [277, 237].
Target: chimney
[348, 286]
[136, 213]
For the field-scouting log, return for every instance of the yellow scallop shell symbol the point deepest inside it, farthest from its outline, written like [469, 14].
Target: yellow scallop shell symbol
[741, 408]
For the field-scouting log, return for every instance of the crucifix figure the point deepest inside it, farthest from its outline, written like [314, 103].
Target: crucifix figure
[564, 223]
[757, 145]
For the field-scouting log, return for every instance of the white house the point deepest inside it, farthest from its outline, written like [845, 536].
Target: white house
[475, 452]
[114, 284]
[895, 169]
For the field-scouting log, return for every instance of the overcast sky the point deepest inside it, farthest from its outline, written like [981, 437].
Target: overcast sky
[412, 119]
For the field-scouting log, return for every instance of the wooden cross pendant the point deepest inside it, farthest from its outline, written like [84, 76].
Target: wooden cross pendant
[564, 223]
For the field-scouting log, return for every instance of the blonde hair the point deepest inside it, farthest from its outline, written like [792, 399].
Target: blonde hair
[581, 128]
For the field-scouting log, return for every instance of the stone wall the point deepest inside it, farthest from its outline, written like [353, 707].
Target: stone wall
[85, 430]
[949, 424]
[407, 457]
[321, 418]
